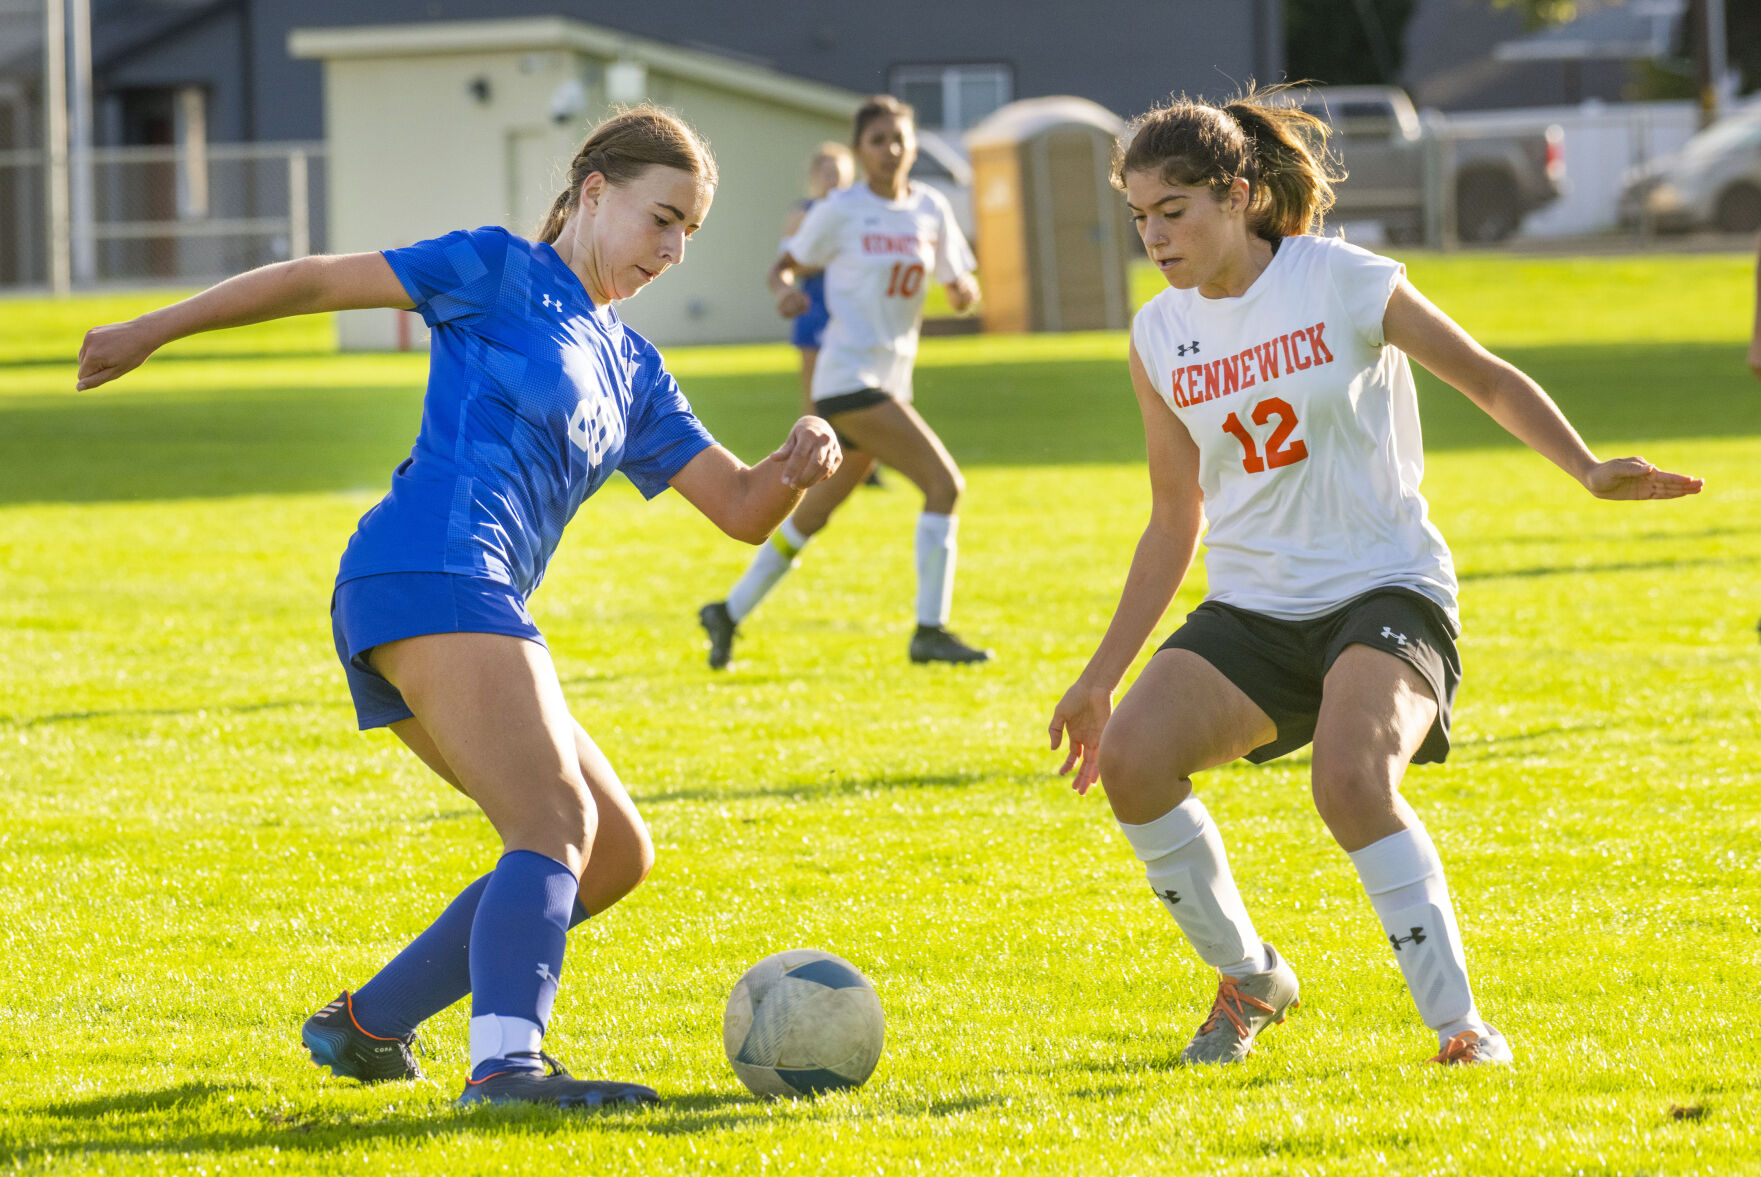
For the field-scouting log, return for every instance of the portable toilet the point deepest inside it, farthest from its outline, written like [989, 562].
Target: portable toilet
[1053, 235]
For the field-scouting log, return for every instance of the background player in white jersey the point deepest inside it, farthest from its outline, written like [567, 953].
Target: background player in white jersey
[1279, 406]
[878, 242]
[537, 394]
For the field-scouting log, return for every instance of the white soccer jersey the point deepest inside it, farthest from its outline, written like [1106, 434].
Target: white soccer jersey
[1307, 426]
[878, 256]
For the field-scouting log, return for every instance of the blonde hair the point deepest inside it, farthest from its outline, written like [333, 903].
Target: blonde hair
[1260, 136]
[622, 148]
[830, 149]
[836, 154]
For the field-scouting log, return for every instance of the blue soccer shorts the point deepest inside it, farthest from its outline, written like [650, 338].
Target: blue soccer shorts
[370, 611]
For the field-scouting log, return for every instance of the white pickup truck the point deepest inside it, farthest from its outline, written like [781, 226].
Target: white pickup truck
[1392, 155]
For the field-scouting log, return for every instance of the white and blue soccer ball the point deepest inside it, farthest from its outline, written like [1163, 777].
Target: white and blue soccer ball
[802, 1022]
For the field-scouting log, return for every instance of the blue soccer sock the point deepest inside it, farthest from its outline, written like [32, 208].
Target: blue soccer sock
[517, 943]
[430, 974]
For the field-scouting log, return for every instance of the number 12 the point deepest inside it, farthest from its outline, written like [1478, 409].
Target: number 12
[1277, 453]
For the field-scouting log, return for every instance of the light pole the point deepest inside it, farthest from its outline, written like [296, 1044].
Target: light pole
[80, 179]
[55, 138]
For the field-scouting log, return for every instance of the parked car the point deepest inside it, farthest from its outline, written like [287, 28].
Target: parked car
[1714, 181]
[1382, 142]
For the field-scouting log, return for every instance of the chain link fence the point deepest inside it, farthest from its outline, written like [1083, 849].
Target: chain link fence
[164, 214]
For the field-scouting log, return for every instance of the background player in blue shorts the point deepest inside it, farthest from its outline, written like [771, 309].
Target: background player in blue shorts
[830, 169]
[537, 393]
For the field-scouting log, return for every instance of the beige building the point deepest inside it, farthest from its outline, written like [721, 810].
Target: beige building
[433, 127]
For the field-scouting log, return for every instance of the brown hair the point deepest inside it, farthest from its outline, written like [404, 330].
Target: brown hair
[622, 148]
[877, 105]
[1261, 136]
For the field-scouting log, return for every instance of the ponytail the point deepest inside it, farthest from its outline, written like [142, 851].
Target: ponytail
[622, 148]
[1260, 136]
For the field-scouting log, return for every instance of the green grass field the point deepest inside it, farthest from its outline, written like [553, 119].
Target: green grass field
[197, 849]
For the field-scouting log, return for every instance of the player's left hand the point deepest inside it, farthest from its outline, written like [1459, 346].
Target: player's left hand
[1635, 478]
[1082, 715]
[810, 454]
[963, 293]
[112, 350]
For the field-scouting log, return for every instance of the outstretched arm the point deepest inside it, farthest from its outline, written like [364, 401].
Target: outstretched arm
[748, 502]
[1516, 402]
[299, 287]
[1163, 555]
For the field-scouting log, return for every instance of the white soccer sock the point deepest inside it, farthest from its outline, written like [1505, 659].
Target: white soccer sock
[1404, 879]
[1183, 856]
[774, 559]
[497, 1036]
[936, 549]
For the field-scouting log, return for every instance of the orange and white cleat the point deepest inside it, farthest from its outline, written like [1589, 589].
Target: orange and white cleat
[1470, 1047]
[1242, 1009]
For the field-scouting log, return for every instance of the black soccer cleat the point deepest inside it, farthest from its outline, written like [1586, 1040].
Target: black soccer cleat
[336, 1040]
[932, 643]
[720, 626]
[556, 1087]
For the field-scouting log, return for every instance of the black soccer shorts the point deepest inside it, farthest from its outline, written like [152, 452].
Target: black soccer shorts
[1280, 664]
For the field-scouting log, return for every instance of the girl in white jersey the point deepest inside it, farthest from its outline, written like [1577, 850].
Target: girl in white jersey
[1279, 407]
[878, 243]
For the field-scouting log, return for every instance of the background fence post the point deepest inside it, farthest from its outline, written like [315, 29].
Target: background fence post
[299, 212]
[55, 140]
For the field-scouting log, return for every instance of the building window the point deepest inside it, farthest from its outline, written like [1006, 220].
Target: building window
[952, 97]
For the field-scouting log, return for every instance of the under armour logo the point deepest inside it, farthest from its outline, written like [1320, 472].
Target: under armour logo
[1186, 347]
[552, 303]
[1398, 638]
[1417, 937]
[544, 973]
[1171, 895]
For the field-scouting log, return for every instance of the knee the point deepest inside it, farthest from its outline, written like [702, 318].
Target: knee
[622, 858]
[1126, 760]
[1345, 792]
[944, 491]
[561, 821]
[642, 856]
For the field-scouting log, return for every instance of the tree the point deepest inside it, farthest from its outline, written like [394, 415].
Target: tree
[1344, 42]
[1742, 33]
[1541, 13]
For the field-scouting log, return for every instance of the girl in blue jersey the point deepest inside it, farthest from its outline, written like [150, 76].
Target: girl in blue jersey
[537, 392]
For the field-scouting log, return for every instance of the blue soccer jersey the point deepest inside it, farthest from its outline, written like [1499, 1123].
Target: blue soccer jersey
[535, 397]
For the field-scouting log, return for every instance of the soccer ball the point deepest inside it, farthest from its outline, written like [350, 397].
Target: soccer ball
[802, 1022]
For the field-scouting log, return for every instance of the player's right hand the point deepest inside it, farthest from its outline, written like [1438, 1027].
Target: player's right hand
[810, 454]
[111, 350]
[792, 302]
[1082, 714]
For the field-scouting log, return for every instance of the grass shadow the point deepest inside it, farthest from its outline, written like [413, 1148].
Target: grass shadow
[165, 712]
[176, 1121]
[821, 789]
[267, 436]
[1600, 569]
[142, 1102]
